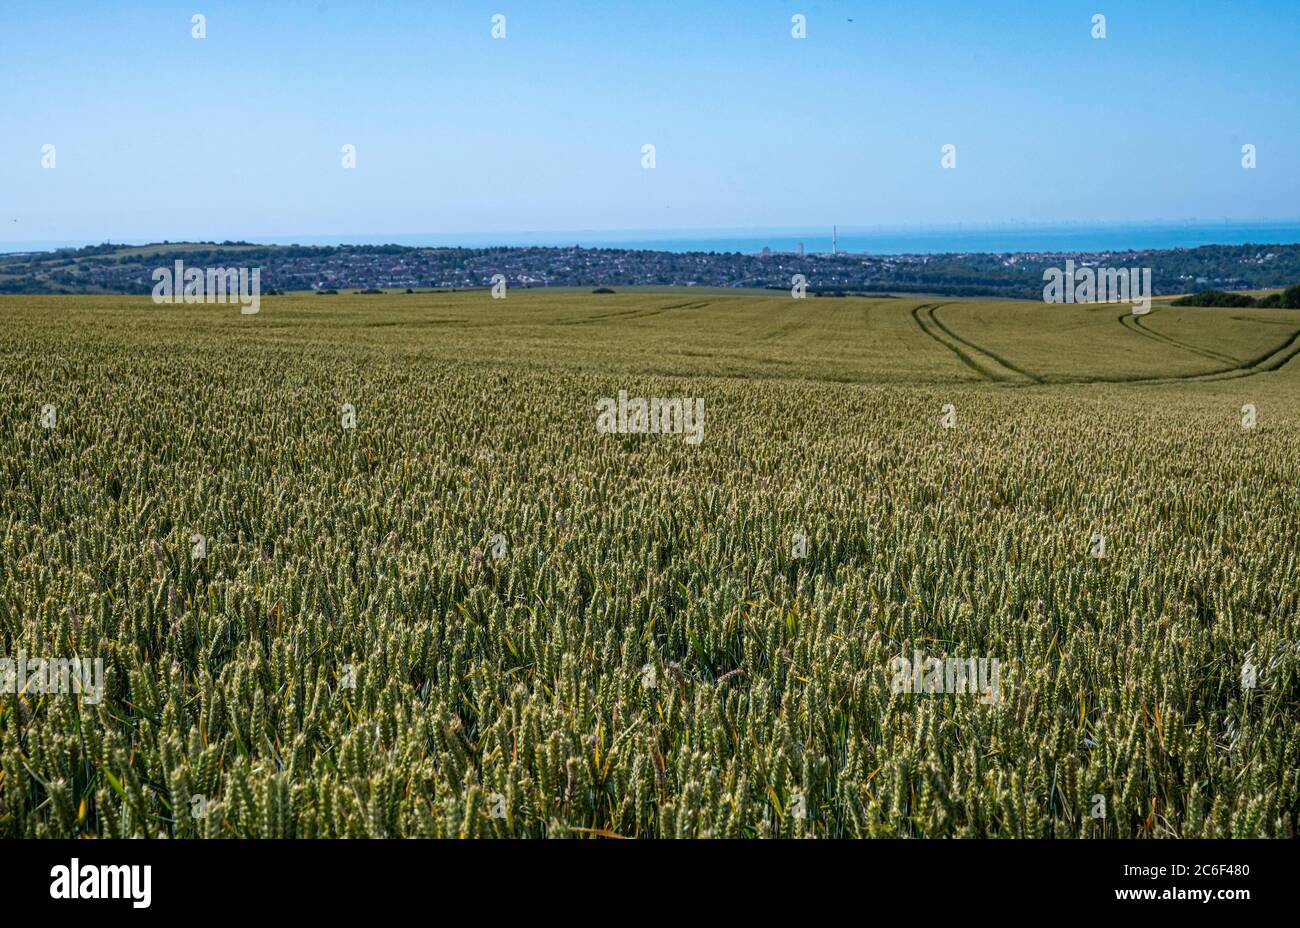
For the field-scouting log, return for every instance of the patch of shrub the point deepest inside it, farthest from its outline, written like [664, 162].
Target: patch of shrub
[1215, 298]
[1287, 299]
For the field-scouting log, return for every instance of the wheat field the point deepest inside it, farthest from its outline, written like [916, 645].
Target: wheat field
[466, 611]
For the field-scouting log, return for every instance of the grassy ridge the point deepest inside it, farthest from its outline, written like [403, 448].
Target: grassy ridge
[647, 656]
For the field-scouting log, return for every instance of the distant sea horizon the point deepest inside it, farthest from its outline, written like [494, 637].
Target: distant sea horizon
[854, 239]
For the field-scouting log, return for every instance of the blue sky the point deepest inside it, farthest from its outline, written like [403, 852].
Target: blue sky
[238, 135]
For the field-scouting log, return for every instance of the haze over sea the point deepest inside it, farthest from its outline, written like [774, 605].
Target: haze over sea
[878, 240]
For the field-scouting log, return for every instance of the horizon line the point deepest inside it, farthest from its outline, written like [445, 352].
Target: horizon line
[623, 238]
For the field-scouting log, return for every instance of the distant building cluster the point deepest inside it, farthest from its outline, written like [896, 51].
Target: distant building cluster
[124, 269]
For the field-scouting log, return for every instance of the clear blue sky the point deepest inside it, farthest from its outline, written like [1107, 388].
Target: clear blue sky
[160, 135]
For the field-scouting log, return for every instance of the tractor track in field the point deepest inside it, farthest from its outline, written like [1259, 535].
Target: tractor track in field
[626, 314]
[1265, 321]
[984, 362]
[782, 330]
[1271, 360]
[1134, 324]
[934, 317]
[996, 369]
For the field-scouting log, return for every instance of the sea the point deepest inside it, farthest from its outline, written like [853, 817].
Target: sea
[875, 240]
